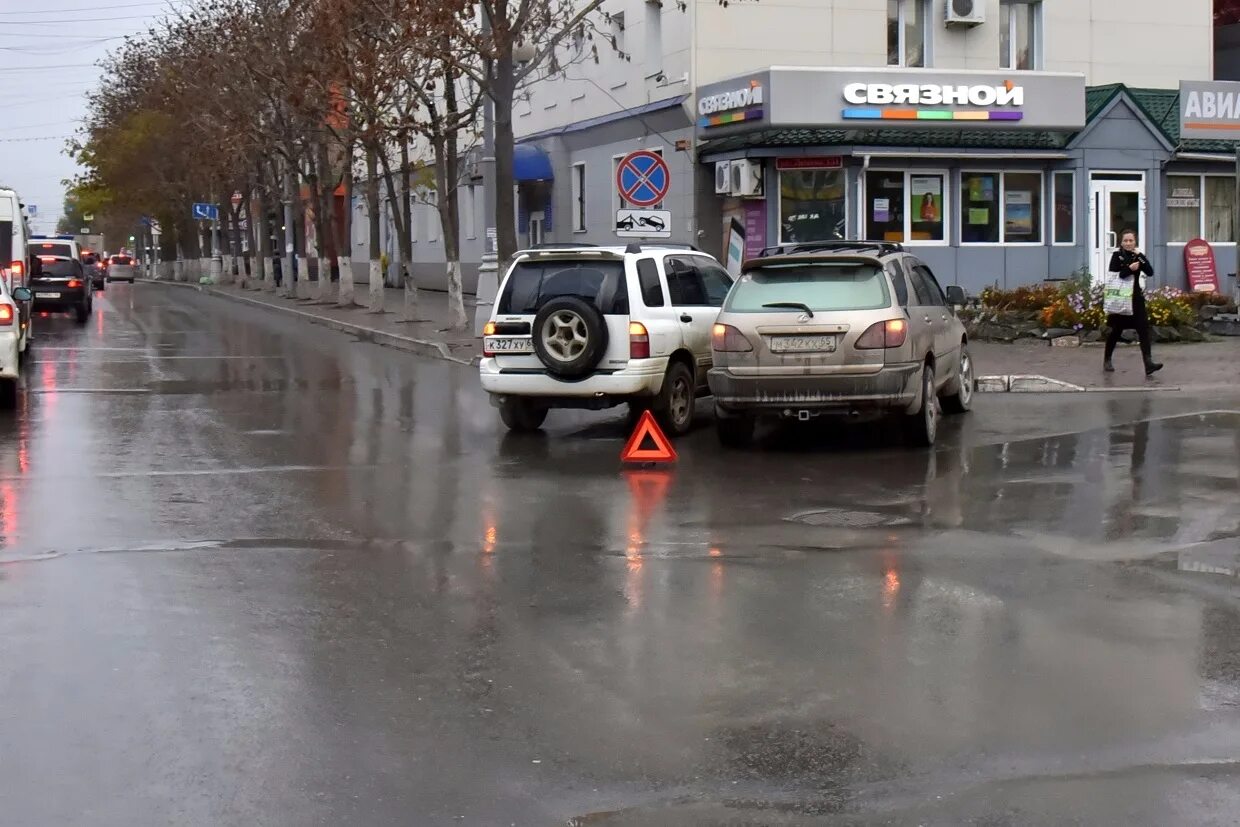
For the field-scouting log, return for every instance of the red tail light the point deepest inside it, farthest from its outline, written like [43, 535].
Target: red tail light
[727, 339]
[639, 341]
[890, 333]
[6, 314]
[74, 283]
[18, 268]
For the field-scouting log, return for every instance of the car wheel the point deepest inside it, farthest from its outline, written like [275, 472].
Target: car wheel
[570, 336]
[521, 415]
[734, 431]
[8, 394]
[962, 400]
[922, 427]
[674, 405]
[82, 314]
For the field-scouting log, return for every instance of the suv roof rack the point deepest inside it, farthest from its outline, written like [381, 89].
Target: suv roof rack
[637, 246]
[883, 247]
[559, 245]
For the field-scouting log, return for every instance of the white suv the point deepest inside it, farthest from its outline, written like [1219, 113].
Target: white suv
[594, 327]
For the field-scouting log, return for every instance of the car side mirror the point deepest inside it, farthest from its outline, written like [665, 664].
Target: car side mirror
[22, 294]
[956, 296]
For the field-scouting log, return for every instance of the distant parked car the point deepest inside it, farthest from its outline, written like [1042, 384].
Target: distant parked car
[120, 268]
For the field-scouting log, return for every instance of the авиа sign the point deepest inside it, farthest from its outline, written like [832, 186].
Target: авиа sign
[1210, 110]
[933, 94]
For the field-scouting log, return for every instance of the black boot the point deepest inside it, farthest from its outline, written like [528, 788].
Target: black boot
[1152, 367]
[1107, 366]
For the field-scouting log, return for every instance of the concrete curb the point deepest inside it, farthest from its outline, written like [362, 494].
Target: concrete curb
[1030, 383]
[421, 347]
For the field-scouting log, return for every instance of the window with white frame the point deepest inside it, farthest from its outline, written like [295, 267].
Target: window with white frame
[906, 206]
[908, 32]
[1020, 34]
[616, 29]
[1063, 202]
[1000, 207]
[579, 198]
[654, 36]
[1201, 206]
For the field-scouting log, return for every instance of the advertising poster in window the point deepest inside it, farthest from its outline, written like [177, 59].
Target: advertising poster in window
[927, 192]
[882, 210]
[755, 228]
[1018, 211]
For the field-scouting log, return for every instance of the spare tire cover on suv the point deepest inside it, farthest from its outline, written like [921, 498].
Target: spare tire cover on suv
[570, 336]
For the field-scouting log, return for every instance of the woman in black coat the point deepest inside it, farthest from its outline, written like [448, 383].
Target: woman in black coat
[1131, 263]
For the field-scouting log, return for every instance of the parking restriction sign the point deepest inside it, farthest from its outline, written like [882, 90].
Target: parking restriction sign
[643, 178]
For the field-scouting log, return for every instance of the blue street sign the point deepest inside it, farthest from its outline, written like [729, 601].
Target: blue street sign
[209, 212]
[642, 178]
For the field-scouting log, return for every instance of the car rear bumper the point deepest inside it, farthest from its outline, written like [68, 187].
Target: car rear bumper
[893, 387]
[10, 360]
[600, 389]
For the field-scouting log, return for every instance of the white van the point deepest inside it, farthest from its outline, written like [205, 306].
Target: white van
[14, 235]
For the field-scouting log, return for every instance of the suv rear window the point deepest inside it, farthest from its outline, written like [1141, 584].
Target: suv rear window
[820, 286]
[58, 268]
[533, 283]
[51, 248]
[121, 260]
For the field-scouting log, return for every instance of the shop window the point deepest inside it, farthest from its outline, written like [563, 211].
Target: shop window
[812, 205]
[1220, 208]
[1020, 34]
[905, 206]
[1201, 206]
[1001, 207]
[908, 32]
[1065, 208]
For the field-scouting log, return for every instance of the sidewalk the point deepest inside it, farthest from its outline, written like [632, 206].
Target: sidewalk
[428, 336]
[1188, 366]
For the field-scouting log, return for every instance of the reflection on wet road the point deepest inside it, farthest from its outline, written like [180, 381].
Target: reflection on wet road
[256, 572]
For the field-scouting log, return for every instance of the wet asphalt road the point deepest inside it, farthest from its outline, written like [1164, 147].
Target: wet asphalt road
[256, 572]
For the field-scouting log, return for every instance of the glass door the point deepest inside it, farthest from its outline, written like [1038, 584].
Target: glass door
[1116, 203]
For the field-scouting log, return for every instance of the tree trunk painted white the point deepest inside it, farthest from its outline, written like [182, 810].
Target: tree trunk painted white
[325, 279]
[456, 297]
[204, 267]
[345, 293]
[269, 279]
[377, 290]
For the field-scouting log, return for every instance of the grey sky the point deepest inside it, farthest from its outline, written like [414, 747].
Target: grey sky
[48, 49]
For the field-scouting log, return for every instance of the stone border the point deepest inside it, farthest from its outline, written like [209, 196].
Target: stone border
[421, 347]
[1031, 383]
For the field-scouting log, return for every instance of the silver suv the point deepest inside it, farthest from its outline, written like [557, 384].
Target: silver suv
[594, 327]
[849, 328]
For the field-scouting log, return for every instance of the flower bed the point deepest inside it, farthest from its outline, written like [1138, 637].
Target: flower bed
[1075, 307]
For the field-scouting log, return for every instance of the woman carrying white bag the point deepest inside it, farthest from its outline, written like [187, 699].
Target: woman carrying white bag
[1124, 300]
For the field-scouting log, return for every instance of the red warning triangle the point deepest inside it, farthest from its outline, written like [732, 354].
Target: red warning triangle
[647, 428]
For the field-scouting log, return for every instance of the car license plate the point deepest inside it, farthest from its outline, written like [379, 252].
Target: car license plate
[508, 344]
[47, 295]
[802, 344]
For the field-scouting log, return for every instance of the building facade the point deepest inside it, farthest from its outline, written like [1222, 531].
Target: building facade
[1007, 141]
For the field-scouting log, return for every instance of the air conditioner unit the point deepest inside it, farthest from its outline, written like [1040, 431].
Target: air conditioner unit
[746, 178]
[723, 177]
[965, 13]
